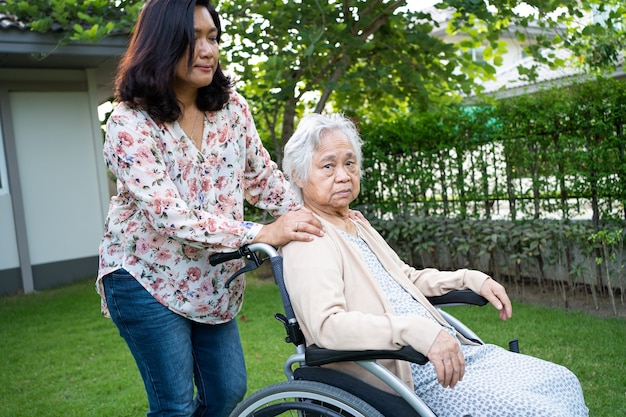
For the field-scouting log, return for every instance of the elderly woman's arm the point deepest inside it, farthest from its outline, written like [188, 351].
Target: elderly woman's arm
[430, 281]
[433, 282]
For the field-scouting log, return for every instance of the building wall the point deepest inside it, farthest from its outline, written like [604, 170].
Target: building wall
[8, 250]
[56, 164]
[62, 184]
[9, 261]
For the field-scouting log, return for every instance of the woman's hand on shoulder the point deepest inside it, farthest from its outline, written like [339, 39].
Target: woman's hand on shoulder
[298, 225]
[497, 296]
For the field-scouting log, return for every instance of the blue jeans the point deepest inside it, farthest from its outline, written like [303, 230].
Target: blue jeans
[173, 352]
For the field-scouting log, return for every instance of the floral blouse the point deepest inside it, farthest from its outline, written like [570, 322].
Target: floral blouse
[175, 205]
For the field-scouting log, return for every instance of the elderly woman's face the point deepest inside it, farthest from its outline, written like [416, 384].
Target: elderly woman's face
[334, 175]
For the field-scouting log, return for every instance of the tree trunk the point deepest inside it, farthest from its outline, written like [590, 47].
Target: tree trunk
[289, 117]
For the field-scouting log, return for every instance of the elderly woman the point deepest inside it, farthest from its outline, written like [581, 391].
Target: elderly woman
[350, 290]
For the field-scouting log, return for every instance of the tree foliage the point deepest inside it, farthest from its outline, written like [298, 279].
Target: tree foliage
[375, 59]
[363, 57]
[372, 59]
[75, 20]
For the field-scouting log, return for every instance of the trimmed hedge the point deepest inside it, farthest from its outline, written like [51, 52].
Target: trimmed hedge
[558, 153]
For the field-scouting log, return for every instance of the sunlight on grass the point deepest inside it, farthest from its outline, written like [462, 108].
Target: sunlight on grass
[61, 358]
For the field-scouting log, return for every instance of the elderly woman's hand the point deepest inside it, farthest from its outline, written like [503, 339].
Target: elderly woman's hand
[496, 295]
[446, 356]
[294, 225]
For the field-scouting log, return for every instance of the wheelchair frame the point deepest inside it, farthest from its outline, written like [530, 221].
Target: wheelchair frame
[326, 396]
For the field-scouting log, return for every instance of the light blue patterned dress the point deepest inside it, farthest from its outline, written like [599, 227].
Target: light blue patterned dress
[497, 383]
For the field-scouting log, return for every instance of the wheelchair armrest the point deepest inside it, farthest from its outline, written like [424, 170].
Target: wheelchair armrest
[458, 297]
[315, 356]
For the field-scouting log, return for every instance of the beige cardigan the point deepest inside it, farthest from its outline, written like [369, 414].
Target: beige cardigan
[339, 305]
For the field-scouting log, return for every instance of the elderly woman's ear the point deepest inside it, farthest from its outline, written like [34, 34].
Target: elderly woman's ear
[297, 181]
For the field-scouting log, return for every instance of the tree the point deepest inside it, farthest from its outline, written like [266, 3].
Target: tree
[376, 58]
[75, 20]
[370, 58]
[593, 30]
[365, 57]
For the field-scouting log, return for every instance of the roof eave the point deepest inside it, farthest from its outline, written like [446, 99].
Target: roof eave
[28, 42]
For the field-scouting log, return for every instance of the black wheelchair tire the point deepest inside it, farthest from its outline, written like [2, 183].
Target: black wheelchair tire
[303, 399]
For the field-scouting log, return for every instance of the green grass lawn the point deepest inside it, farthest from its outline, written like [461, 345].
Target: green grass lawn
[59, 357]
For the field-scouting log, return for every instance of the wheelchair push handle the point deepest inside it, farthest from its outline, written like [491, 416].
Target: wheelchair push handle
[218, 258]
[244, 251]
[253, 260]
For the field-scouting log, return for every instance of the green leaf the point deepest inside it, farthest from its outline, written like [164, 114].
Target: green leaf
[488, 53]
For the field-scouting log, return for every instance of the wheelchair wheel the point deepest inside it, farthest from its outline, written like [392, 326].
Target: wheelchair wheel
[303, 399]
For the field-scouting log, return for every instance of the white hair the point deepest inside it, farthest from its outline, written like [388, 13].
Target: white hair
[305, 141]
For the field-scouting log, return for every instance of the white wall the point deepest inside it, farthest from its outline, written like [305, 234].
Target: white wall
[59, 174]
[8, 247]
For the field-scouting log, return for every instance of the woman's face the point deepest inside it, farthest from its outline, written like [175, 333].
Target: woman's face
[334, 176]
[206, 53]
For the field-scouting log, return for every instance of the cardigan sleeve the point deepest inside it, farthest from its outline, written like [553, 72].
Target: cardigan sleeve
[432, 282]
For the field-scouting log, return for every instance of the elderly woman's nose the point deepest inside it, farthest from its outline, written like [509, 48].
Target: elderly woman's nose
[342, 174]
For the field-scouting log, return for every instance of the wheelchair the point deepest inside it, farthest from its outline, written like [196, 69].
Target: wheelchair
[312, 390]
